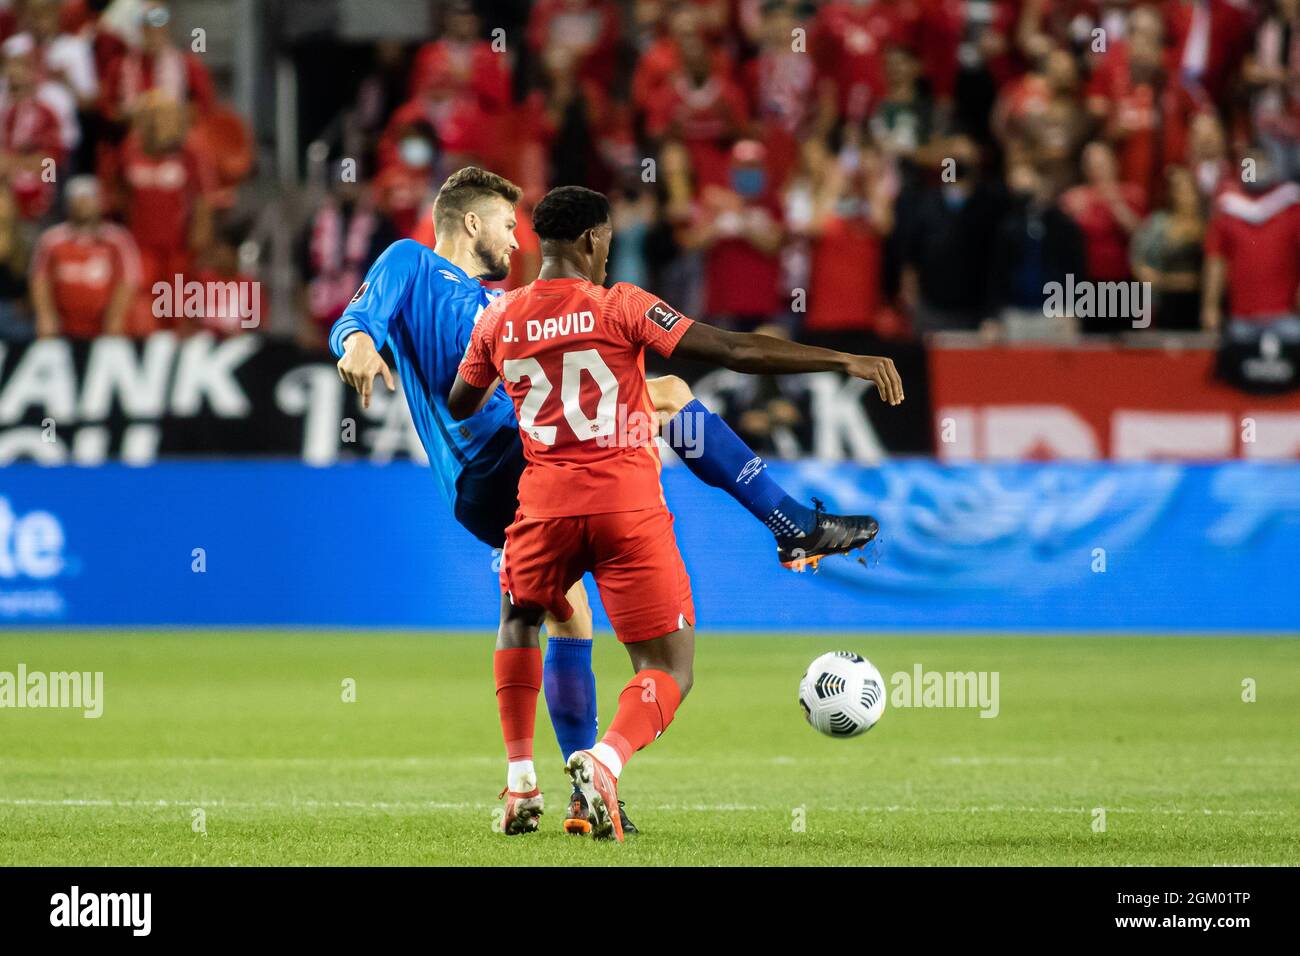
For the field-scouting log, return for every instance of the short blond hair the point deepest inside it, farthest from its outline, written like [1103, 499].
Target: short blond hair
[467, 187]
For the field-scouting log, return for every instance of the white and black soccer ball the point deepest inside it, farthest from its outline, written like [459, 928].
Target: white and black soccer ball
[842, 694]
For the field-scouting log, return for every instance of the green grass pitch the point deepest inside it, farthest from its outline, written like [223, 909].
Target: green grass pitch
[222, 748]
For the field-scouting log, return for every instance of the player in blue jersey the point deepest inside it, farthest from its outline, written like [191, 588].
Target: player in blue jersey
[423, 303]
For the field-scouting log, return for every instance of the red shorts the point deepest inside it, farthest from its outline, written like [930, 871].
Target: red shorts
[632, 555]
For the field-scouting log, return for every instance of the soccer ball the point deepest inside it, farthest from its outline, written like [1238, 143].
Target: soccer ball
[842, 694]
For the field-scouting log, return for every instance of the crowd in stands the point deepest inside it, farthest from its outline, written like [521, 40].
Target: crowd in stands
[893, 167]
[887, 166]
[118, 166]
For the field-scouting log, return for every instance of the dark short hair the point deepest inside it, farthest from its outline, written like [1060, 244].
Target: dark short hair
[567, 212]
[467, 187]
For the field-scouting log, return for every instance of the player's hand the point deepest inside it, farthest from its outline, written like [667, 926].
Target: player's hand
[875, 368]
[360, 364]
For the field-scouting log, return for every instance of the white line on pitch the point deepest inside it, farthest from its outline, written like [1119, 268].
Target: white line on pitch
[667, 807]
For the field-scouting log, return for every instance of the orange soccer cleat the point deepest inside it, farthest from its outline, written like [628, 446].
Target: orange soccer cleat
[578, 820]
[600, 789]
[523, 811]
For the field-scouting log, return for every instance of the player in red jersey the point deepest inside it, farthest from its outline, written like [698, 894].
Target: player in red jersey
[571, 355]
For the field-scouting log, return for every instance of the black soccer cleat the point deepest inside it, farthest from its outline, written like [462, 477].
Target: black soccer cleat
[629, 828]
[832, 534]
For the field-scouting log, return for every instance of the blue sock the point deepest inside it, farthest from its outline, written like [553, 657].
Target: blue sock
[570, 692]
[717, 456]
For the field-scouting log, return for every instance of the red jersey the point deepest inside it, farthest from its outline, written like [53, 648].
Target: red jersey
[706, 118]
[849, 43]
[1259, 236]
[177, 73]
[844, 291]
[1105, 241]
[28, 128]
[83, 267]
[161, 190]
[572, 357]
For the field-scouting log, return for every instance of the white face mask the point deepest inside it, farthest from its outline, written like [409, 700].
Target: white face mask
[415, 151]
[1207, 175]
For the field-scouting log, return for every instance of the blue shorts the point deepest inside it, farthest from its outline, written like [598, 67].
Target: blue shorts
[487, 491]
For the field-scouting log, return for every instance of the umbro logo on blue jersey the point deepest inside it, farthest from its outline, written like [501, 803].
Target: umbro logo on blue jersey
[449, 275]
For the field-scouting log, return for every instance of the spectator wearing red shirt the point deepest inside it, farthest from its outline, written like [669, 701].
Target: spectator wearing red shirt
[849, 39]
[461, 87]
[1130, 106]
[163, 185]
[84, 272]
[740, 231]
[1209, 39]
[405, 179]
[1107, 211]
[31, 140]
[662, 60]
[940, 27]
[589, 28]
[65, 58]
[462, 60]
[852, 214]
[780, 82]
[704, 109]
[157, 65]
[1252, 248]
[52, 93]
[464, 123]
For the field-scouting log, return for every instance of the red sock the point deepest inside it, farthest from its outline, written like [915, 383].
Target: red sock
[645, 709]
[518, 672]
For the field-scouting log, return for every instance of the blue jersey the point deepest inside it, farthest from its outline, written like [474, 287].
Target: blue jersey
[425, 307]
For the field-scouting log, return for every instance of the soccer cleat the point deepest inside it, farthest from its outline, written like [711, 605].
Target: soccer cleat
[600, 789]
[629, 828]
[578, 822]
[522, 811]
[832, 534]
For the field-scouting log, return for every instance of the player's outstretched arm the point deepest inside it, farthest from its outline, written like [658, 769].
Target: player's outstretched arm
[466, 399]
[360, 364]
[765, 354]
